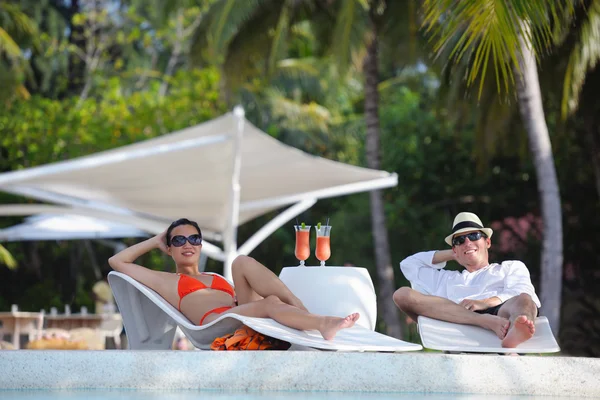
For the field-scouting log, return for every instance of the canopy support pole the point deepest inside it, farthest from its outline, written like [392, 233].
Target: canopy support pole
[280, 201]
[275, 224]
[230, 234]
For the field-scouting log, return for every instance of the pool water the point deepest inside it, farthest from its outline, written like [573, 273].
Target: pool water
[219, 395]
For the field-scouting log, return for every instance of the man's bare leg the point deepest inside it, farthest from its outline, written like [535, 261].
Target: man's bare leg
[521, 312]
[253, 281]
[414, 303]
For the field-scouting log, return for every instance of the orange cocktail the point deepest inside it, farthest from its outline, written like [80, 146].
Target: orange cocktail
[302, 250]
[323, 251]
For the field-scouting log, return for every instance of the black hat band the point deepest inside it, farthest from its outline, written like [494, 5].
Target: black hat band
[466, 224]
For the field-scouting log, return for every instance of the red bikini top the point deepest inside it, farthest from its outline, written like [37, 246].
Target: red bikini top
[187, 285]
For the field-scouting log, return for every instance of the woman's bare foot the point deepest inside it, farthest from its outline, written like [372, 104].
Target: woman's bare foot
[496, 324]
[332, 325]
[522, 329]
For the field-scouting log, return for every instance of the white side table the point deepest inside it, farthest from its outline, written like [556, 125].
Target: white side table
[336, 291]
[19, 323]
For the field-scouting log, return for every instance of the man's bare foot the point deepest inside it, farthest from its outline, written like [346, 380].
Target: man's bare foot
[522, 329]
[496, 324]
[333, 324]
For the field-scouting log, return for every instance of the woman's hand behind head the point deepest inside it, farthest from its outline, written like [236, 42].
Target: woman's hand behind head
[161, 242]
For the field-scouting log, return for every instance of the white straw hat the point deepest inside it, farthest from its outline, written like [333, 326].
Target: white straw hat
[465, 222]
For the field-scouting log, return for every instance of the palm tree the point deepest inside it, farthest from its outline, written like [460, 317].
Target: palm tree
[508, 34]
[15, 28]
[383, 262]
[532, 112]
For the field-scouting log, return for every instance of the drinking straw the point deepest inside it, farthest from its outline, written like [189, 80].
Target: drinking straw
[298, 224]
[327, 224]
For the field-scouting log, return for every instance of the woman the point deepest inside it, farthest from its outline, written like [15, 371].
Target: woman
[203, 297]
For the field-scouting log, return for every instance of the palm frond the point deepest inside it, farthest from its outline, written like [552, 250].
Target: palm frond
[14, 19]
[317, 80]
[247, 52]
[295, 115]
[281, 34]
[493, 29]
[495, 116]
[16, 30]
[401, 42]
[304, 74]
[299, 67]
[227, 18]
[8, 46]
[583, 58]
[349, 32]
[6, 258]
[17, 24]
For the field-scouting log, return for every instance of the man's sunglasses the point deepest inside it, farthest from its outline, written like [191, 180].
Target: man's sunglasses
[179, 240]
[473, 236]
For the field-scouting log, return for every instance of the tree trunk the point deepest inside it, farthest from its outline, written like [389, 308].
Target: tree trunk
[385, 272]
[532, 113]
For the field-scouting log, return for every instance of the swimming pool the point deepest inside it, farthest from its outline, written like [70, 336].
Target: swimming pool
[218, 395]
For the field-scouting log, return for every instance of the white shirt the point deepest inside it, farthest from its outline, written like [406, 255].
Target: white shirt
[504, 281]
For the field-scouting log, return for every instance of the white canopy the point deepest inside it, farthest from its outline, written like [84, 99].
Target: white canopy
[220, 173]
[67, 227]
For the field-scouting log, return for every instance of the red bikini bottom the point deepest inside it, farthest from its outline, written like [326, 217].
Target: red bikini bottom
[217, 310]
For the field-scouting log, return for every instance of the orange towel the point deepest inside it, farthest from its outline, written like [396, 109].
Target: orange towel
[248, 339]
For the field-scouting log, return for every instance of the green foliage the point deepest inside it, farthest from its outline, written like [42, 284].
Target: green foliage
[584, 57]
[42, 130]
[490, 30]
[16, 28]
[40, 295]
[7, 259]
[17, 31]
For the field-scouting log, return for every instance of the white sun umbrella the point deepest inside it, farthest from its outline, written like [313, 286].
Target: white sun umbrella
[76, 227]
[221, 173]
[67, 227]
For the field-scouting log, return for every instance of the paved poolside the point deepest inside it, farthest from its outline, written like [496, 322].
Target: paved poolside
[300, 371]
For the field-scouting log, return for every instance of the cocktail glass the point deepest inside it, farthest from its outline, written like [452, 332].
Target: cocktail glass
[323, 251]
[302, 250]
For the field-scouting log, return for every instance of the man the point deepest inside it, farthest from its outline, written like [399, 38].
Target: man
[498, 297]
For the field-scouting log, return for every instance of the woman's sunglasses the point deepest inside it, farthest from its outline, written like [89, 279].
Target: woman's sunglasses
[473, 236]
[179, 240]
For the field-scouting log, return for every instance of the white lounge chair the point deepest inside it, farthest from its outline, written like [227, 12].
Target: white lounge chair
[341, 291]
[458, 338]
[150, 323]
[111, 328]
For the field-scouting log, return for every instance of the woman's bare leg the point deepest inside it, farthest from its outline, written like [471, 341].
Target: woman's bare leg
[285, 314]
[253, 281]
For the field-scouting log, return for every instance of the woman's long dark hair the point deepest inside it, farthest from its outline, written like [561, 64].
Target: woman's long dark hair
[179, 222]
